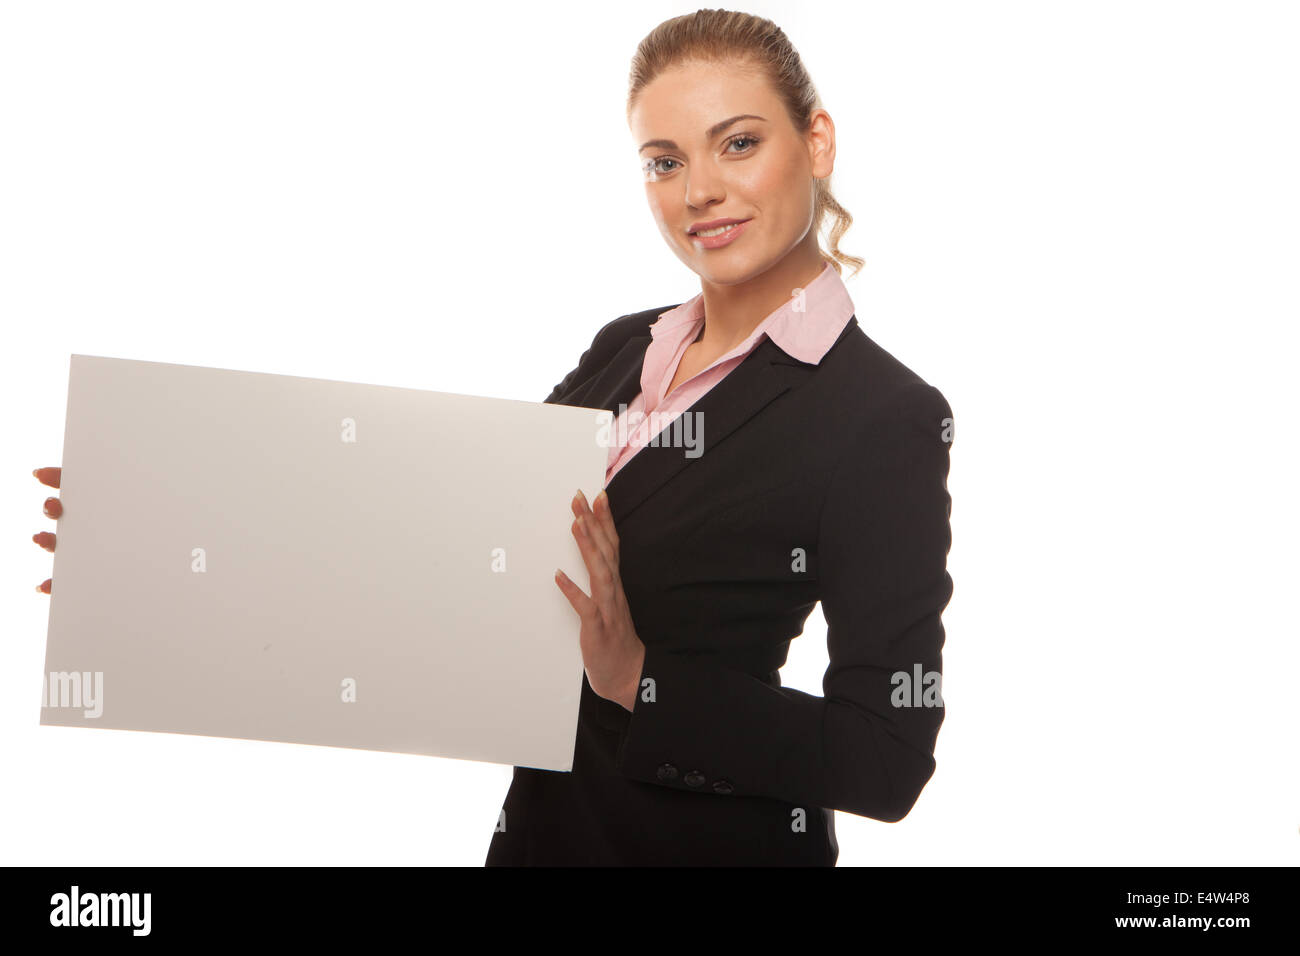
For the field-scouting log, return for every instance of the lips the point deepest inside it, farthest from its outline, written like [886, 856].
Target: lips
[712, 227]
[716, 234]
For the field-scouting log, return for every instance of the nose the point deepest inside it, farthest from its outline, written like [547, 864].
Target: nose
[704, 187]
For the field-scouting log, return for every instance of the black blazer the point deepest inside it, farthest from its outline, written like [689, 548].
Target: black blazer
[816, 482]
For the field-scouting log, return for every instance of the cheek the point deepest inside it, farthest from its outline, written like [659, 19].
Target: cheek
[656, 199]
[778, 187]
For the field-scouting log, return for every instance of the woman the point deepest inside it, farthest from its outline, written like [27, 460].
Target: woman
[805, 464]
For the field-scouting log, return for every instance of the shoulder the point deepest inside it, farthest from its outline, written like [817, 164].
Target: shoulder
[870, 384]
[611, 336]
[606, 344]
[616, 332]
[892, 433]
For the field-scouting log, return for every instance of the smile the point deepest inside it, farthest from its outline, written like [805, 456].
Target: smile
[720, 235]
[707, 233]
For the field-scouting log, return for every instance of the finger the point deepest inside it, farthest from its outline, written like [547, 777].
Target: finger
[594, 529]
[603, 578]
[606, 518]
[578, 599]
[45, 539]
[44, 586]
[53, 508]
[596, 559]
[48, 476]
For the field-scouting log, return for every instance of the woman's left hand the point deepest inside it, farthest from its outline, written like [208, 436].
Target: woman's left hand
[611, 651]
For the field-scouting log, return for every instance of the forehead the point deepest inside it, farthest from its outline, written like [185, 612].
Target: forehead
[685, 100]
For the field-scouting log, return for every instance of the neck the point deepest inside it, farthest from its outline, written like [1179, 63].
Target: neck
[732, 312]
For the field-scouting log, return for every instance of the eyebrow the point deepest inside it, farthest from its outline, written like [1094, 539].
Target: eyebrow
[714, 130]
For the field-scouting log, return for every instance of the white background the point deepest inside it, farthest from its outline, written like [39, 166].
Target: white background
[1080, 222]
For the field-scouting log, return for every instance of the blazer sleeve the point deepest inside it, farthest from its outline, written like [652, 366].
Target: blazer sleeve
[866, 747]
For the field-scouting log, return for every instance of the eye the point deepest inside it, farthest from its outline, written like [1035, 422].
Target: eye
[743, 138]
[654, 167]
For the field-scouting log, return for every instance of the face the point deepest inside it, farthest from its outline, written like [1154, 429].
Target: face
[718, 148]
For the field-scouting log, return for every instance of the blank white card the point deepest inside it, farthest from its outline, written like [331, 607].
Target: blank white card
[294, 559]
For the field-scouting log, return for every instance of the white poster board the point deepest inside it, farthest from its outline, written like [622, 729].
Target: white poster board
[317, 562]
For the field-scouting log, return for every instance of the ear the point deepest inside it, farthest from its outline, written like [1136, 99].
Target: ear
[821, 143]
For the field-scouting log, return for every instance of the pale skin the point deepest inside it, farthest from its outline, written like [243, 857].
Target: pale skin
[702, 168]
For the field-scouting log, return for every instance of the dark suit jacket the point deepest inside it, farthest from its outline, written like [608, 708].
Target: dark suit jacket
[845, 463]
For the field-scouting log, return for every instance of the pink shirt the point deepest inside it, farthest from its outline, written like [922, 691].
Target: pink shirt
[804, 327]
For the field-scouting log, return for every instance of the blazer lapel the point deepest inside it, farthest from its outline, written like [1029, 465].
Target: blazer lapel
[764, 375]
[746, 389]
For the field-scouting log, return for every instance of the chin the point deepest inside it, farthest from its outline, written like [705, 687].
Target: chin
[726, 276]
[720, 266]
[731, 271]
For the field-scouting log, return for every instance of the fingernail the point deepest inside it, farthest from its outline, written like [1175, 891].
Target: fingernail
[34, 473]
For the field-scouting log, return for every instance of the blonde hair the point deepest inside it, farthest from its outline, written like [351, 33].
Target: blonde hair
[726, 36]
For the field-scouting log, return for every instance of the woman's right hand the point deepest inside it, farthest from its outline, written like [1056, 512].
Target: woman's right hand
[53, 509]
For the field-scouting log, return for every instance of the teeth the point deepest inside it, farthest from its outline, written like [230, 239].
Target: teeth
[707, 233]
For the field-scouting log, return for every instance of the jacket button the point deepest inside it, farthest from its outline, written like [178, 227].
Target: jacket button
[694, 779]
[721, 786]
[666, 772]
